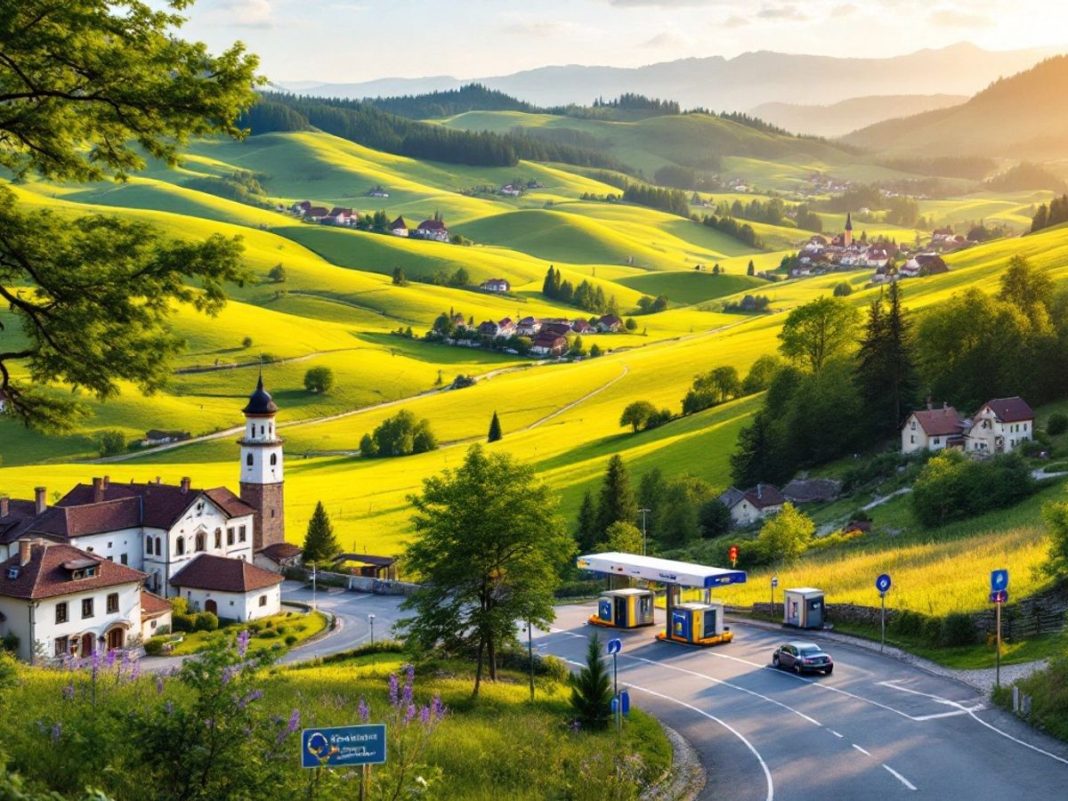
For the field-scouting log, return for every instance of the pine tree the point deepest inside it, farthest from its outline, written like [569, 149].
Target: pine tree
[587, 523]
[886, 375]
[751, 269]
[591, 689]
[494, 429]
[320, 544]
[617, 501]
[547, 286]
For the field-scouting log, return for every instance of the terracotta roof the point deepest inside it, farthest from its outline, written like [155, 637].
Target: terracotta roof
[764, 495]
[317, 211]
[398, 223]
[152, 605]
[48, 572]
[547, 339]
[281, 551]
[90, 518]
[228, 502]
[432, 225]
[1010, 410]
[17, 521]
[208, 572]
[939, 422]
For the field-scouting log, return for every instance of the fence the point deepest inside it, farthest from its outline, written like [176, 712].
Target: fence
[353, 583]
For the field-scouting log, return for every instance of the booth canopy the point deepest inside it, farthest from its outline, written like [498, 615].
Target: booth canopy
[666, 571]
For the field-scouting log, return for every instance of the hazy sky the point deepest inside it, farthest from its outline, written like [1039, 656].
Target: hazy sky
[358, 40]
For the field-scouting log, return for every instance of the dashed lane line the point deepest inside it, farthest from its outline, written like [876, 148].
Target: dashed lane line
[899, 777]
[866, 753]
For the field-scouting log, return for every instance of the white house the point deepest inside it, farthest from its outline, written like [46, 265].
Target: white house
[496, 285]
[229, 588]
[1001, 426]
[932, 430]
[278, 557]
[506, 328]
[156, 614]
[752, 505]
[398, 227]
[434, 230]
[528, 327]
[59, 600]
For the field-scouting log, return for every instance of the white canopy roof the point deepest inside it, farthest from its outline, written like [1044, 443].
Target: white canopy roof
[666, 571]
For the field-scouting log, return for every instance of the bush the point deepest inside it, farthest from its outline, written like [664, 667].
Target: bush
[958, 629]
[111, 442]
[154, 646]
[267, 634]
[843, 289]
[319, 380]
[932, 630]
[1057, 424]
[10, 642]
[951, 487]
[205, 621]
[291, 639]
[182, 622]
[164, 629]
[908, 624]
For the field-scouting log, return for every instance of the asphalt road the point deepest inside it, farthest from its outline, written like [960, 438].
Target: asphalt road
[875, 729]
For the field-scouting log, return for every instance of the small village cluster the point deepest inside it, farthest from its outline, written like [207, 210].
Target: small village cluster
[433, 229]
[94, 570]
[843, 253]
[548, 336]
[1000, 426]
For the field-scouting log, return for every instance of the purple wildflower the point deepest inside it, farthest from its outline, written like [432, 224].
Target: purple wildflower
[363, 711]
[294, 722]
[437, 708]
[135, 671]
[424, 715]
[159, 685]
[394, 689]
[68, 692]
[109, 659]
[255, 695]
[57, 730]
[228, 674]
[409, 713]
[243, 638]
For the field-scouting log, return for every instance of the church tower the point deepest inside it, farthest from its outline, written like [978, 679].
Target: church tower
[847, 237]
[261, 469]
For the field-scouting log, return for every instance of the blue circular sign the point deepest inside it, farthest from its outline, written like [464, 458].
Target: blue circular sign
[614, 646]
[882, 584]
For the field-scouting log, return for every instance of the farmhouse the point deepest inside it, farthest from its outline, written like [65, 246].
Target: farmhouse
[528, 327]
[230, 588]
[398, 227]
[316, 213]
[58, 600]
[1001, 426]
[378, 191]
[155, 613]
[752, 505]
[488, 329]
[933, 429]
[278, 557]
[506, 328]
[582, 327]
[549, 344]
[340, 216]
[434, 230]
[609, 324]
[496, 285]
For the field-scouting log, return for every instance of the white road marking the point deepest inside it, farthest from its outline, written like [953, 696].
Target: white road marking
[763, 765]
[836, 734]
[866, 753]
[899, 777]
[1035, 748]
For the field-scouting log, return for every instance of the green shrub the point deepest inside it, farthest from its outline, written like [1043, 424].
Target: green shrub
[1057, 424]
[958, 629]
[951, 487]
[932, 630]
[291, 639]
[154, 646]
[205, 621]
[10, 642]
[267, 634]
[283, 629]
[908, 624]
[556, 669]
[179, 606]
[182, 622]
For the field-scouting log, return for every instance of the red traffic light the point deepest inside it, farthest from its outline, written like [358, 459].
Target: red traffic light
[732, 553]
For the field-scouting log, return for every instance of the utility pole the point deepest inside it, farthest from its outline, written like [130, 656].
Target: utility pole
[371, 620]
[644, 511]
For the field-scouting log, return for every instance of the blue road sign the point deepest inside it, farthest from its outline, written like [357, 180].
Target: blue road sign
[999, 596]
[774, 582]
[614, 646]
[882, 584]
[999, 580]
[615, 705]
[624, 702]
[340, 746]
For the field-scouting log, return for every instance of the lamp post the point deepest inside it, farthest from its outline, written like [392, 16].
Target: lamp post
[644, 511]
[371, 620]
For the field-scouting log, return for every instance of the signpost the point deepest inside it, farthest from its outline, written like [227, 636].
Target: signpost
[774, 584]
[614, 647]
[999, 594]
[345, 746]
[882, 584]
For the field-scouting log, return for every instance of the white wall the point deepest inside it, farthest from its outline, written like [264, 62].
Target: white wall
[205, 518]
[114, 544]
[236, 606]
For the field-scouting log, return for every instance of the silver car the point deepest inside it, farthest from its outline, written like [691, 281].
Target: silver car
[802, 657]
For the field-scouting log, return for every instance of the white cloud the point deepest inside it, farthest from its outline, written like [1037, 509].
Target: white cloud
[781, 12]
[735, 21]
[950, 18]
[240, 13]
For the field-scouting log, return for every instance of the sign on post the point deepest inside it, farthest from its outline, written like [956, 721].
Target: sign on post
[999, 596]
[614, 646]
[341, 746]
[999, 580]
[774, 582]
[882, 584]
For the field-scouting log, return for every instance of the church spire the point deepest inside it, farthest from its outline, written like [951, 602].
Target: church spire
[849, 221]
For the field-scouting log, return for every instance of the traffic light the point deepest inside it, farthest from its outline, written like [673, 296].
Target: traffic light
[732, 554]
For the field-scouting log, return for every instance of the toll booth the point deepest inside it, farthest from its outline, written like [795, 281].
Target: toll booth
[624, 609]
[699, 623]
[804, 608]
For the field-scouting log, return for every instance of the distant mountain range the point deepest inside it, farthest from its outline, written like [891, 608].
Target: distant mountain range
[838, 119]
[735, 84]
[1023, 117]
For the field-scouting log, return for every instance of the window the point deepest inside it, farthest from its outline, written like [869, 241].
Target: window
[87, 608]
[263, 600]
[248, 460]
[200, 541]
[113, 603]
[62, 646]
[124, 559]
[937, 441]
[229, 536]
[241, 533]
[61, 612]
[274, 459]
[179, 546]
[159, 551]
[218, 538]
[148, 545]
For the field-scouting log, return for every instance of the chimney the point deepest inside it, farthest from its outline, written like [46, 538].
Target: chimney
[39, 497]
[25, 550]
[98, 490]
[185, 484]
[5, 508]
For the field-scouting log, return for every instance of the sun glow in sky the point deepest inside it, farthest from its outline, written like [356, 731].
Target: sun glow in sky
[340, 41]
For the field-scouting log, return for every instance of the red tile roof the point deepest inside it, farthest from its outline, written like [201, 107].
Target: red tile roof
[152, 605]
[942, 422]
[48, 572]
[217, 573]
[1009, 410]
[764, 495]
[280, 552]
[432, 225]
[17, 521]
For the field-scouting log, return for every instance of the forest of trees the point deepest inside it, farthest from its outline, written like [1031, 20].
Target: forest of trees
[743, 232]
[673, 201]
[586, 296]
[1053, 214]
[445, 103]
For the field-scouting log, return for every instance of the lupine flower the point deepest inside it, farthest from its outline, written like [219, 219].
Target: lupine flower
[243, 638]
[409, 713]
[437, 708]
[294, 722]
[394, 689]
[159, 685]
[363, 711]
[57, 730]
[68, 692]
[109, 659]
[424, 715]
[255, 695]
[228, 673]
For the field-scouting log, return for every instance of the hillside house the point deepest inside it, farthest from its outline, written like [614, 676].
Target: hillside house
[496, 285]
[229, 588]
[528, 327]
[506, 328]
[316, 213]
[59, 600]
[750, 506]
[510, 190]
[340, 216]
[923, 264]
[301, 207]
[549, 344]
[433, 230]
[155, 436]
[582, 327]
[488, 329]
[156, 613]
[378, 191]
[1001, 426]
[609, 324]
[932, 430]
[398, 227]
[278, 557]
[558, 328]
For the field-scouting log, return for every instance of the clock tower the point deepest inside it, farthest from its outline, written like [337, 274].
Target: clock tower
[262, 469]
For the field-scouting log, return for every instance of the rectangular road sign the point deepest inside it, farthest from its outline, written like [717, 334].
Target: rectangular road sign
[341, 746]
[999, 580]
[999, 596]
